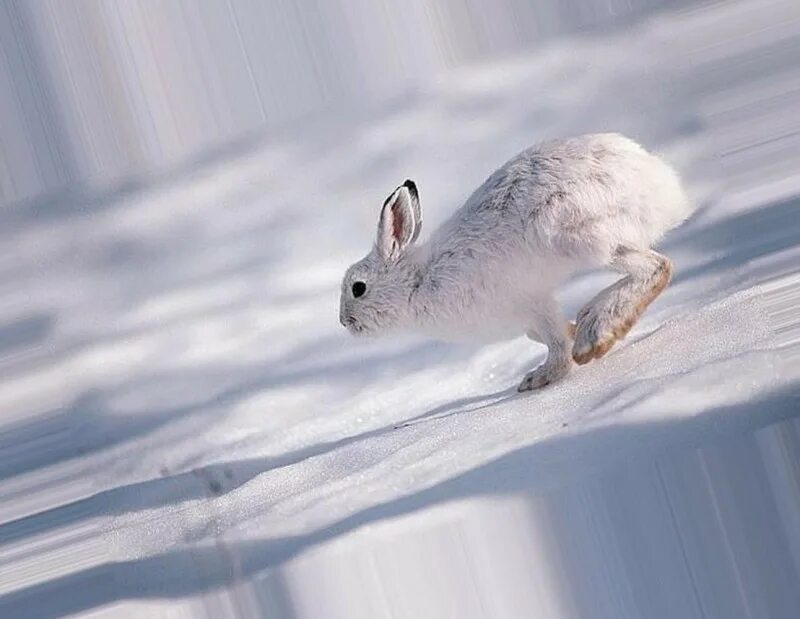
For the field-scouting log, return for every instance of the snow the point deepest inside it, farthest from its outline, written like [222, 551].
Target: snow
[188, 414]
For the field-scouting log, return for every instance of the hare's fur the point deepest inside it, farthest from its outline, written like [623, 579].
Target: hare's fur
[492, 268]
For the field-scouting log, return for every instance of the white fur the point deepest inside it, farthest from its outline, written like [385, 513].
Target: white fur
[491, 270]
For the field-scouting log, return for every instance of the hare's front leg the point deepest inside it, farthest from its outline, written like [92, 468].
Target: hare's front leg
[551, 329]
[611, 314]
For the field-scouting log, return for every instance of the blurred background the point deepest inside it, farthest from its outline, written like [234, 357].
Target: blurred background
[99, 95]
[185, 429]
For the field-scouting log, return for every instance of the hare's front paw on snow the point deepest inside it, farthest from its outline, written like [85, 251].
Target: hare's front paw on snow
[596, 333]
[545, 374]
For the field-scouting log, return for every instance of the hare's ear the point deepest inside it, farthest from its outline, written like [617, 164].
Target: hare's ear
[401, 221]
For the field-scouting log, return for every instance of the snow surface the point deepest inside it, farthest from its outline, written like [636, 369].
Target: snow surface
[197, 401]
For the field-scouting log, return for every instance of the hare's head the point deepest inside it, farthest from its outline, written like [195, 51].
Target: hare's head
[376, 290]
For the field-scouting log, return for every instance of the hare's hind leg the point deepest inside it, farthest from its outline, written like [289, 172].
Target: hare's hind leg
[611, 314]
[549, 327]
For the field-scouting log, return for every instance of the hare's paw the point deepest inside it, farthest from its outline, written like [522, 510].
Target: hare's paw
[598, 329]
[546, 374]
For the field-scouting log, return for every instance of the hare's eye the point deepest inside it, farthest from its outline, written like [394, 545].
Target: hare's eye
[359, 288]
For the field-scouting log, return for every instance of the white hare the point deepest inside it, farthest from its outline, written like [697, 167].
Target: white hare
[492, 268]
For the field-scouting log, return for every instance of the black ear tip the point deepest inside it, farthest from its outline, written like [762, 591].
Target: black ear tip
[412, 187]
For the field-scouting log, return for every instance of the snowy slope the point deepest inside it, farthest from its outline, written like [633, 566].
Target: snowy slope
[199, 405]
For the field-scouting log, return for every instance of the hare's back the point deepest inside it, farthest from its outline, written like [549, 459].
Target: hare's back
[578, 196]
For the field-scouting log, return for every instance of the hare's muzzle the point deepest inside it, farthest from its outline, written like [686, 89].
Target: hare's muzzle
[351, 324]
